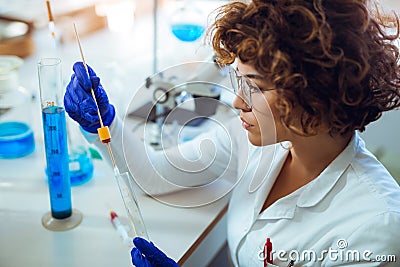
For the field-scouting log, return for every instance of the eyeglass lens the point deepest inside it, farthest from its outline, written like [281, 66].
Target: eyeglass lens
[240, 86]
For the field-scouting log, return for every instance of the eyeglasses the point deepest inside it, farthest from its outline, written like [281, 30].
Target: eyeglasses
[243, 86]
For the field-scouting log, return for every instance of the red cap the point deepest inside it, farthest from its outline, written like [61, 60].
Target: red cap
[113, 215]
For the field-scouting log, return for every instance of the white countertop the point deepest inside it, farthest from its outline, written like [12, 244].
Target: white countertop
[24, 199]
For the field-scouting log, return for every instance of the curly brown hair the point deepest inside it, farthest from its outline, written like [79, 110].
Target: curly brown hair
[336, 59]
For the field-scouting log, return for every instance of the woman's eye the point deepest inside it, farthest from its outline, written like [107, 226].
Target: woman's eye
[255, 90]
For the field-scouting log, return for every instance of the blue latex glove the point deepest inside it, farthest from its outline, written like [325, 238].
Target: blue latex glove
[79, 103]
[145, 254]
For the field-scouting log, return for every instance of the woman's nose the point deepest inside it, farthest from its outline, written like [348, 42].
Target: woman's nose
[239, 103]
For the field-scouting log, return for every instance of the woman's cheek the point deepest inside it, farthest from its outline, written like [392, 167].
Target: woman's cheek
[266, 128]
[264, 132]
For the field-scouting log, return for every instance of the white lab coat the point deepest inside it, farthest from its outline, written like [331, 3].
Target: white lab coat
[207, 166]
[354, 204]
[354, 201]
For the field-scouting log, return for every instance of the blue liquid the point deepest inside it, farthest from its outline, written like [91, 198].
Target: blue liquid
[16, 140]
[55, 141]
[187, 32]
[80, 167]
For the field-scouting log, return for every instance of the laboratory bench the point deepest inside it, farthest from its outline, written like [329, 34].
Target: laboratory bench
[123, 60]
[191, 236]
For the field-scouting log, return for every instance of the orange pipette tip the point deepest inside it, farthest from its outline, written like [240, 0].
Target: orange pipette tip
[104, 134]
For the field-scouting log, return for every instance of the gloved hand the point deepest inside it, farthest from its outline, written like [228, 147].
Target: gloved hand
[145, 254]
[79, 103]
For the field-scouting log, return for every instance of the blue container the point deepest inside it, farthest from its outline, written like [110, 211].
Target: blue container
[55, 141]
[187, 32]
[16, 140]
[80, 167]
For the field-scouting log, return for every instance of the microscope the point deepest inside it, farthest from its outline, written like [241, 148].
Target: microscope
[196, 83]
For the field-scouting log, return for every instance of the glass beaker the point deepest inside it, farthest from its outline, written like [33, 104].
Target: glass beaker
[61, 217]
[188, 22]
[80, 160]
[16, 134]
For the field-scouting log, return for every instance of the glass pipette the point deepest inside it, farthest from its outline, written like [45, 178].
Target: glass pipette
[131, 205]
[51, 19]
[123, 180]
[103, 131]
[51, 23]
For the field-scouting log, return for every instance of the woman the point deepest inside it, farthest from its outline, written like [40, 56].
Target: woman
[309, 75]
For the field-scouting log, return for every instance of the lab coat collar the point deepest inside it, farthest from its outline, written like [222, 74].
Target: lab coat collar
[284, 208]
[317, 189]
[310, 194]
[284, 211]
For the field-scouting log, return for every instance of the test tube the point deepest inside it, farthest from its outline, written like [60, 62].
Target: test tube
[62, 216]
[131, 205]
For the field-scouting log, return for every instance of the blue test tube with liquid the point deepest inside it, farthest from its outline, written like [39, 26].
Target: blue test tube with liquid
[62, 216]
